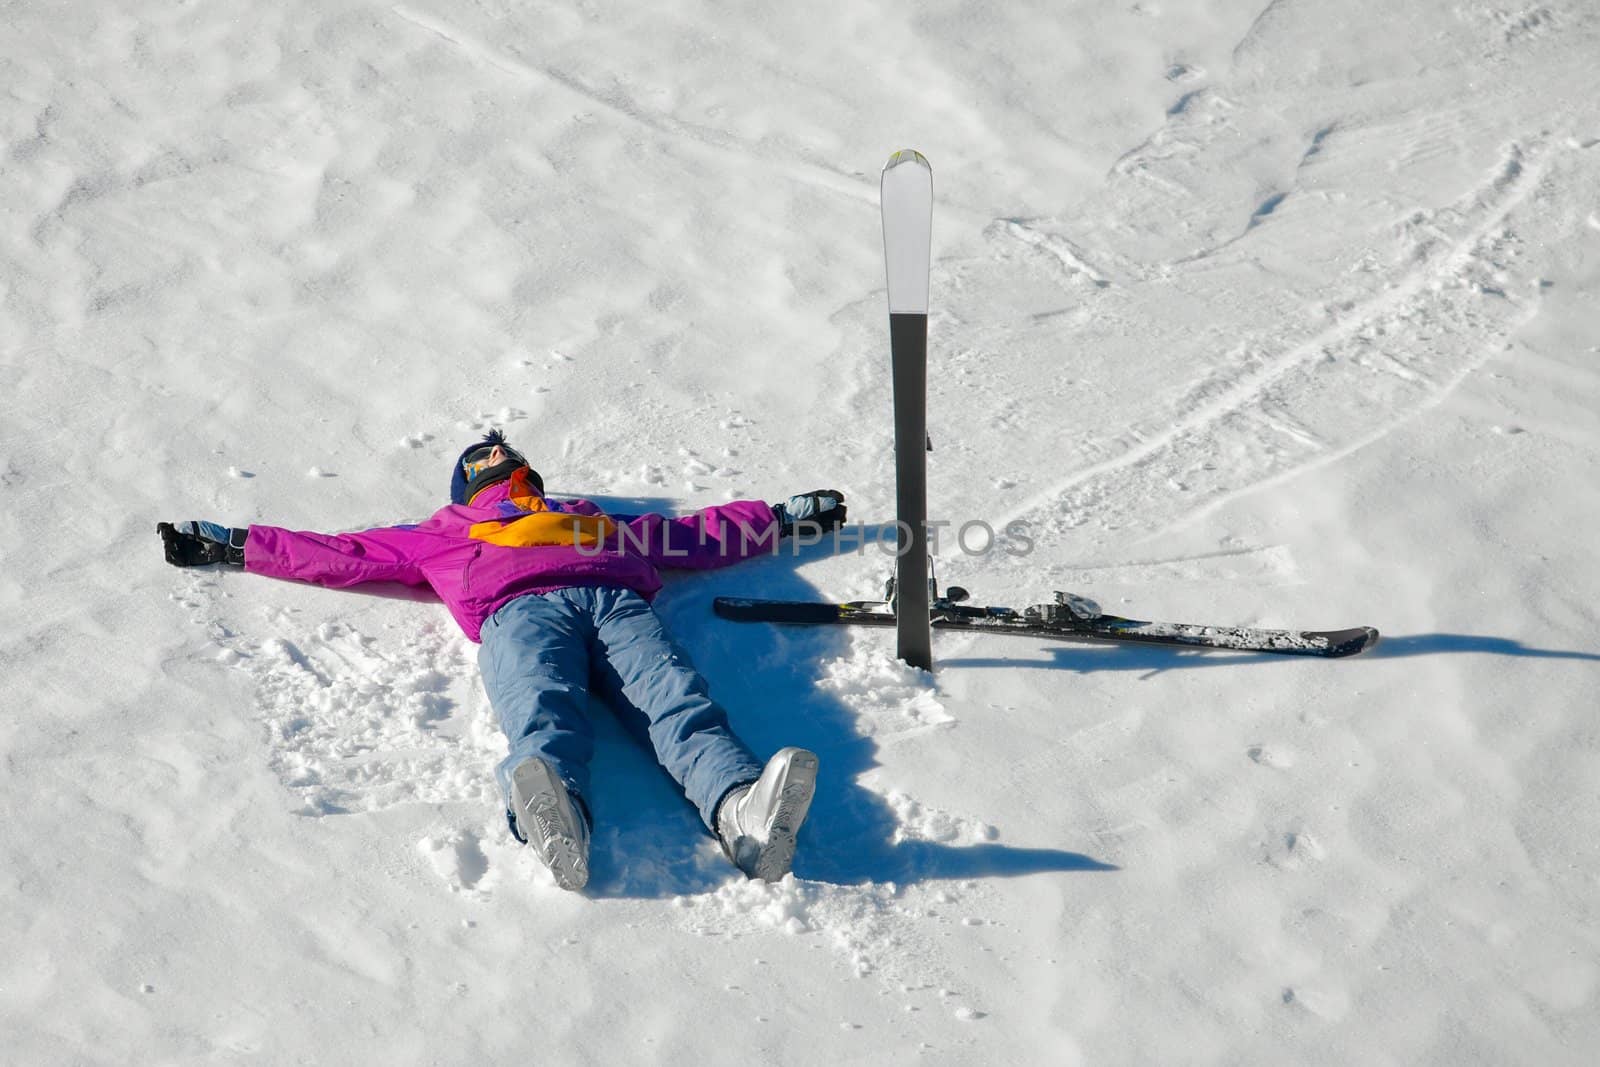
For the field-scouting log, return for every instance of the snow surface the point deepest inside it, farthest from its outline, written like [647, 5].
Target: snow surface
[1261, 313]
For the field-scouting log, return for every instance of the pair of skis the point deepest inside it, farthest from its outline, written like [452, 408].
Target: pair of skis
[912, 605]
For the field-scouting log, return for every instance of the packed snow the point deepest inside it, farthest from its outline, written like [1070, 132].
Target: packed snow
[1254, 313]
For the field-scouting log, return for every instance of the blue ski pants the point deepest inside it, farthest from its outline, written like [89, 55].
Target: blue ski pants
[541, 653]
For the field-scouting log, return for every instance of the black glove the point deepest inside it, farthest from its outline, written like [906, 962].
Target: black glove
[822, 507]
[194, 543]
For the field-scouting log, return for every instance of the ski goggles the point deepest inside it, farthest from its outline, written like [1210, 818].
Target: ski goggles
[481, 459]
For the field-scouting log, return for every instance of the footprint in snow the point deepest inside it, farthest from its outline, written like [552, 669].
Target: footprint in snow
[1271, 756]
[1294, 850]
[458, 858]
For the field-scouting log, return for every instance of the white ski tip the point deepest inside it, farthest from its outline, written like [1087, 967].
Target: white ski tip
[906, 194]
[908, 155]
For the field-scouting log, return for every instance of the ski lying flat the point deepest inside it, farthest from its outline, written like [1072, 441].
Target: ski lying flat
[1070, 618]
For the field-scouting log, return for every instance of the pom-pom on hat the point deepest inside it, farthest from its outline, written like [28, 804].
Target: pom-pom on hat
[463, 486]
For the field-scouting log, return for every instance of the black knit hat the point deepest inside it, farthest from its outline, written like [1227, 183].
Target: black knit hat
[462, 490]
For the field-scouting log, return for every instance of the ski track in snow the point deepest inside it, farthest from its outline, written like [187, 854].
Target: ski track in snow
[1376, 363]
[808, 172]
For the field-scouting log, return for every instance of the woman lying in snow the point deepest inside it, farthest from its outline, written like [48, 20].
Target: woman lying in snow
[557, 593]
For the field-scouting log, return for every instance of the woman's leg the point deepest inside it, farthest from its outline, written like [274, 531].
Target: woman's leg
[535, 665]
[644, 673]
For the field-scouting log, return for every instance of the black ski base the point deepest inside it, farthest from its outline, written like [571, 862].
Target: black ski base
[1070, 618]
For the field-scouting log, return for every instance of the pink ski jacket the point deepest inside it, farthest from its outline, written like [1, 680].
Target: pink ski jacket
[510, 542]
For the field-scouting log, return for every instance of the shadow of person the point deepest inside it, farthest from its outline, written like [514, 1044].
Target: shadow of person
[859, 841]
[765, 677]
[649, 843]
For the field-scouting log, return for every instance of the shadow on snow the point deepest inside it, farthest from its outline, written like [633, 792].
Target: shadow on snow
[649, 843]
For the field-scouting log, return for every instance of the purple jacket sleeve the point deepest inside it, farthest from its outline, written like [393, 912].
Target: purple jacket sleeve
[387, 554]
[711, 537]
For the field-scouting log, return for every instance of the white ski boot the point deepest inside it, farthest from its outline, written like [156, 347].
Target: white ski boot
[757, 823]
[551, 822]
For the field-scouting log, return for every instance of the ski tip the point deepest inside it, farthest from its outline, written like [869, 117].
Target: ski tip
[907, 155]
[1351, 642]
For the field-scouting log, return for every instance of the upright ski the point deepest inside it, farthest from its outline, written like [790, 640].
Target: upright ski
[906, 193]
[1069, 618]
